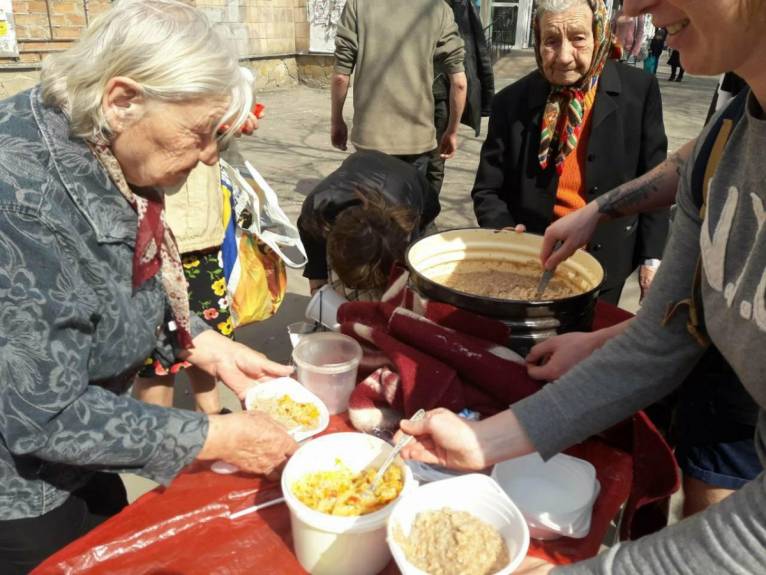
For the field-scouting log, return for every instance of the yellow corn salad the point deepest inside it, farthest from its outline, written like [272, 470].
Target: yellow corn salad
[341, 492]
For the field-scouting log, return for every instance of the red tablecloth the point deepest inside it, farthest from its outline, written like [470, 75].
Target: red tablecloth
[184, 528]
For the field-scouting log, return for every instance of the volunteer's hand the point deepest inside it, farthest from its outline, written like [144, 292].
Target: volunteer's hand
[534, 566]
[574, 230]
[251, 440]
[339, 134]
[645, 278]
[235, 364]
[443, 438]
[559, 354]
[518, 228]
[448, 145]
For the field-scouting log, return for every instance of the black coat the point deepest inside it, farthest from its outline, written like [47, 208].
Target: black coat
[364, 170]
[627, 139]
[478, 66]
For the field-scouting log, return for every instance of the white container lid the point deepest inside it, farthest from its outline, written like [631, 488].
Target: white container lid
[555, 496]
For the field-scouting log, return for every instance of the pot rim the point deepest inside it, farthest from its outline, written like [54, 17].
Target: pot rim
[488, 299]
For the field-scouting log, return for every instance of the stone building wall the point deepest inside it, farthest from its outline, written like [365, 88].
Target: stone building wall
[272, 36]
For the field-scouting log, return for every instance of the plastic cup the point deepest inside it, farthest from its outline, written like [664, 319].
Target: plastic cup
[323, 307]
[297, 330]
[326, 363]
[331, 545]
[476, 494]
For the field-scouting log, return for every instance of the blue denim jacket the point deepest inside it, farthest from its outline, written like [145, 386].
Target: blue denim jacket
[73, 332]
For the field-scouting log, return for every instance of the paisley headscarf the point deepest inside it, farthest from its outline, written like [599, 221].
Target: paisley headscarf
[558, 136]
[156, 249]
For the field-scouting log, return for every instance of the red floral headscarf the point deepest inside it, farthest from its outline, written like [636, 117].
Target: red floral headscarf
[559, 135]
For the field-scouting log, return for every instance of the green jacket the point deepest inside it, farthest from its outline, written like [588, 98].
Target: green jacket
[391, 46]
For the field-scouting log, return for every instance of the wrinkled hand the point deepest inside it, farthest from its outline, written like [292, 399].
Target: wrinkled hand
[235, 364]
[339, 134]
[448, 145]
[645, 278]
[443, 438]
[251, 440]
[559, 354]
[574, 230]
[534, 566]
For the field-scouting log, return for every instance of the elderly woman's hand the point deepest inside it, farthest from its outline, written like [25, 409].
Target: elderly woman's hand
[235, 364]
[251, 440]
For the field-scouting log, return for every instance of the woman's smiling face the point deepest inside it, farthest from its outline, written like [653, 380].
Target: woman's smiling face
[713, 36]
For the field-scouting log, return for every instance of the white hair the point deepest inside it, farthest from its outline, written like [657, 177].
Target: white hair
[555, 6]
[169, 48]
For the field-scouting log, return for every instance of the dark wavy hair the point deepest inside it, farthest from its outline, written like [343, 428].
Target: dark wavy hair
[366, 240]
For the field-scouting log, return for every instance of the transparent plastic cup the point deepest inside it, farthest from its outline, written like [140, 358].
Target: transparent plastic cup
[326, 363]
[323, 307]
[298, 330]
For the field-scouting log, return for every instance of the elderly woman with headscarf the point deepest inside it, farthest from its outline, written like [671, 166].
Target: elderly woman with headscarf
[575, 128]
[91, 282]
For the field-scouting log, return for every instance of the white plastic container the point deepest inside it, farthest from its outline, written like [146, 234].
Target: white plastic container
[555, 496]
[329, 545]
[326, 363]
[278, 387]
[475, 493]
[323, 307]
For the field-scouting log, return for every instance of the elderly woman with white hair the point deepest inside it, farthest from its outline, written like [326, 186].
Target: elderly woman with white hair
[575, 128]
[90, 277]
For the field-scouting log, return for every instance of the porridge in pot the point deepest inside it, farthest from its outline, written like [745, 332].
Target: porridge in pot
[508, 280]
[449, 542]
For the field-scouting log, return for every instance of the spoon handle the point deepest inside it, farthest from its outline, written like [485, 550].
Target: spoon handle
[547, 275]
[403, 441]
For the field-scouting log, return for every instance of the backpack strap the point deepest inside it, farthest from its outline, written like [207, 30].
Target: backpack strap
[705, 166]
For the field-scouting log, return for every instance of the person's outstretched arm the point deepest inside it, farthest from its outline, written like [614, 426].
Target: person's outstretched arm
[346, 48]
[655, 189]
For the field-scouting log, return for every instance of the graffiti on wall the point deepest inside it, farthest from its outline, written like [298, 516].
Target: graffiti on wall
[323, 19]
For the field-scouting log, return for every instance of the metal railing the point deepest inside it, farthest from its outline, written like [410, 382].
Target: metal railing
[500, 35]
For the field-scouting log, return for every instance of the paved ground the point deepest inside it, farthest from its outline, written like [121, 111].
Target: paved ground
[292, 150]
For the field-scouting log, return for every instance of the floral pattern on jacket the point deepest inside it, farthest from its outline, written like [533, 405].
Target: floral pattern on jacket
[73, 333]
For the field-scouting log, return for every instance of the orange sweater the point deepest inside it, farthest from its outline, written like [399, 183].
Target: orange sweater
[570, 194]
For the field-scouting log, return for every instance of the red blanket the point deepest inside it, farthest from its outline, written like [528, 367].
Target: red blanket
[423, 354]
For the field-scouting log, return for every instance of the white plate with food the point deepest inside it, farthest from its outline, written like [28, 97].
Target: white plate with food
[291, 405]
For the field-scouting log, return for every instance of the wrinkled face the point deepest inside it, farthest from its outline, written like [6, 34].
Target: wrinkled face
[566, 44]
[712, 36]
[161, 147]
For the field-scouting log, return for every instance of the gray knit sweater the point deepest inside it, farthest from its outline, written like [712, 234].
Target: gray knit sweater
[650, 359]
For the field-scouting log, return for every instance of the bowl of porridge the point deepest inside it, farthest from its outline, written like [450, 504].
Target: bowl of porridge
[466, 525]
[495, 273]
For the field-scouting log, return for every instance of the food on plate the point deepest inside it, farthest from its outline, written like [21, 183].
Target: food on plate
[342, 492]
[509, 280]
[289, 413]
[449, 542]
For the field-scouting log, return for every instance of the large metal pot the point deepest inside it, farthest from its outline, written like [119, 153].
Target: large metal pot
[440, 254]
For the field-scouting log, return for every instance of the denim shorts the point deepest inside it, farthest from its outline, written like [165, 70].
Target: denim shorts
[714, 426]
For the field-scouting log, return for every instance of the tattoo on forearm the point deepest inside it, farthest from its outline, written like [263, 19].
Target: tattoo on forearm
[628, 198]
